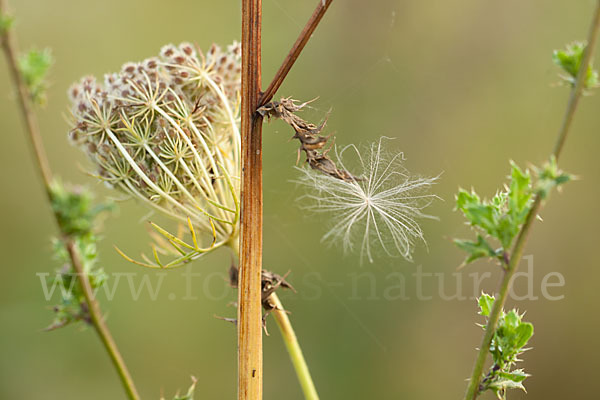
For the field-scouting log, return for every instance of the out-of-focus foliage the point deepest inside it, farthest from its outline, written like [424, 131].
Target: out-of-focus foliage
[569, 59]
[77, 217]
[34, 66]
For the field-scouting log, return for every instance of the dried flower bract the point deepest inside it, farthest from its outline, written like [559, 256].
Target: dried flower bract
[311, 141]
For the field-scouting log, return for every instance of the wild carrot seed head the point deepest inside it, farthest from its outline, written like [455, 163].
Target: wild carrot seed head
[165, 131]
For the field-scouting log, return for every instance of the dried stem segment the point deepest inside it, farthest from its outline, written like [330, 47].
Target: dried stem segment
[309, 135]
[249, 294]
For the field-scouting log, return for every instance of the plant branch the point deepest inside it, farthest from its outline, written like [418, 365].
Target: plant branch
[294, 52]
[293, 347]
[98, 322]
[578, 88]
[9, 47]
[474, 383]
[10, 50]
[250, 292]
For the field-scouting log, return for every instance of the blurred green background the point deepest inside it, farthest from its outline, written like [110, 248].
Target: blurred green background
[463, 85]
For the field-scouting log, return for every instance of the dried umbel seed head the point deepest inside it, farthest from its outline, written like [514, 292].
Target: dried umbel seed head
[166, 131]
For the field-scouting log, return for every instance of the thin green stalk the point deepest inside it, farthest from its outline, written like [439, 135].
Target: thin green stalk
[517, 253]
[290, 340]
[10, 50]
[293, 347]
[99, 324]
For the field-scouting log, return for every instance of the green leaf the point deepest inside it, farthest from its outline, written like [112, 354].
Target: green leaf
[34, 67]
[508, 340]
[465, 199]
[74, 208]
[504, 384]
[478, 212]
[486, 303]
[569, 59]
[519, 194]
[77, 218]
[549, 177]
[518, 375]
[512, 320]
[500, 218]
[523, 333]
[478, 249]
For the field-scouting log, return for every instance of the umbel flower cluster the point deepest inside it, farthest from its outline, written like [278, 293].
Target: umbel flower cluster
[166, 131]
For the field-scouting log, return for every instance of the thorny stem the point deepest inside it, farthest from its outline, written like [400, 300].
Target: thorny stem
[10, 50]
[293, 347]
[295, 51]
[474, 383]
[249, 294]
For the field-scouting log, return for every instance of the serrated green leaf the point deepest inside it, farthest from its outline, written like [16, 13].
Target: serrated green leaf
[518, 375]
[476, 250]
[523, 333]
[76, 215]
[512, 320]
[74, 208]
[507, 343]
[569, 60]
[486, 302]
[549, 177]
[501, 217]
[519, 194]
[465, 199]
[504, 384]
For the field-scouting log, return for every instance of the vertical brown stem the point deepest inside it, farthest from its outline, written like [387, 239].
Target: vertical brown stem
[249, 300]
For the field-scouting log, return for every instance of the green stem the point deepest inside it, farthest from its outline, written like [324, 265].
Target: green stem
[289, 338]
[99, 325]
[10, 50]
[579, 82]
[517, 253]
[293, 347]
